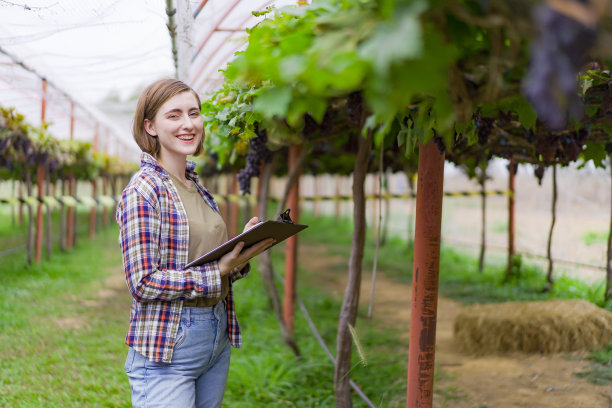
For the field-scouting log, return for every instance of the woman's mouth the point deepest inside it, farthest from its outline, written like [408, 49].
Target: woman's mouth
[186, 138]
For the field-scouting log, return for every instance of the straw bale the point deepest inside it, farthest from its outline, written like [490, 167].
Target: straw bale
[532, 327]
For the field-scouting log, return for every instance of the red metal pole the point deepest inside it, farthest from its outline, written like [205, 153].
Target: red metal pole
[71, 120]
[426, 267]
[293, 202]
[92, 212]
[95, 139]
[512, 170]
[40, 179]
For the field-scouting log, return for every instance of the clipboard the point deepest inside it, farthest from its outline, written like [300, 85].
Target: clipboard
[279, 230]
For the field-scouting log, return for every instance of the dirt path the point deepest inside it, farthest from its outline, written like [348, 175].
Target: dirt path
[469, 382]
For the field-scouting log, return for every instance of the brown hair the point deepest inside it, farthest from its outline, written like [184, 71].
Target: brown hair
[149, 102]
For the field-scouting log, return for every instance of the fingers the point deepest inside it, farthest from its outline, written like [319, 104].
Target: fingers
[252, 222]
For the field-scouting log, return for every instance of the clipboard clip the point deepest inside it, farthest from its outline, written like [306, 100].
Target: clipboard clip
[284, 217]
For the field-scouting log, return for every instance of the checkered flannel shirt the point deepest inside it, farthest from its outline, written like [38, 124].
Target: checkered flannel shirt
[154, 239]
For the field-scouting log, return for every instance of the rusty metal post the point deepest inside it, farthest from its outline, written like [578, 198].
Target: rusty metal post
[71, 120]
[293, 202]
[71, 213]
[40, 180]
[511, 170]
[426, 266]
[92, 212]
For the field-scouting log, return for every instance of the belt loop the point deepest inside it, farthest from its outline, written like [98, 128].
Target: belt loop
[187, 316]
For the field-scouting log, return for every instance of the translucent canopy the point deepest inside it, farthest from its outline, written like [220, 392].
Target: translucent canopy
[217, 33]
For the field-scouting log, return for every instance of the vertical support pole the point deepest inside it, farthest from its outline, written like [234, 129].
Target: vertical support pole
[40, 180]
[71, 120]
[424, 305]
[511, 171]
[71, 214]
[92, 212]
[338, 201]
[105, 192]
[293, 202]
[234, 207]
[315, 195]
[95, 138]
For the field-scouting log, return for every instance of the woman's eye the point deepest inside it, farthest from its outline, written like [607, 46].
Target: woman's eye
[194, 114]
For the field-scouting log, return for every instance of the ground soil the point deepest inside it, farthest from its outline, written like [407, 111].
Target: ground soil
[508, 381]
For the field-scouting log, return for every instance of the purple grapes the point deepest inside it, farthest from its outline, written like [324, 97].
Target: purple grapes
[557, 54]
[260, 153]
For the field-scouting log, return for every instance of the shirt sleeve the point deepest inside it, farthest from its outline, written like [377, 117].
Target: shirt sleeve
[139, 223]
[236, 273]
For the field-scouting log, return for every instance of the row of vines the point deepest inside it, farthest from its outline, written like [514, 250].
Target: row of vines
[346, 86]
[47, 172]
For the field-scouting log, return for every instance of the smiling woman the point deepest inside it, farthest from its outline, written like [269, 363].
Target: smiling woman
[182, 320]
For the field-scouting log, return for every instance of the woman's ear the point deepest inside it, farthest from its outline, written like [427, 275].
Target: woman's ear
[149, 128]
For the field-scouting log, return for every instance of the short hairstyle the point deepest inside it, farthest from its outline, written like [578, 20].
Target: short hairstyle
[149, 102]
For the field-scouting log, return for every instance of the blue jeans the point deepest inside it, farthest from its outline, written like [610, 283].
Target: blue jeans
[197, 375]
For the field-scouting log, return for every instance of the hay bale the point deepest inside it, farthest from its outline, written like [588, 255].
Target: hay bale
[532, 327]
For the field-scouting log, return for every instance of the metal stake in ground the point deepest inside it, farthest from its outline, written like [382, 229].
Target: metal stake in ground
[426, 266]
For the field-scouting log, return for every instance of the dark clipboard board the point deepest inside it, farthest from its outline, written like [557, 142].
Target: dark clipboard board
[279, 230]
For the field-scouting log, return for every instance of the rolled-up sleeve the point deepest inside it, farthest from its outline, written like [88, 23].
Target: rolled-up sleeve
[139, 221]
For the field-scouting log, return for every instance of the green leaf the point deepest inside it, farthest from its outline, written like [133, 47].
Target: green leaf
[596, 152]
[397, 40]
[273, 102]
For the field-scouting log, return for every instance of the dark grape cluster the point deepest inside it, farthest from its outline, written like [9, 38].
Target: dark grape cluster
[484, 127]
[355, 108]
[557, 54]
[439, 143]
[260, 153]
[539, 173]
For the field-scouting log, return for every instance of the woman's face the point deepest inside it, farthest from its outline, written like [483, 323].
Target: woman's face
[178, 127]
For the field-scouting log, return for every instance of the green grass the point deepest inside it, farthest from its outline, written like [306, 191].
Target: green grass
[58, 349]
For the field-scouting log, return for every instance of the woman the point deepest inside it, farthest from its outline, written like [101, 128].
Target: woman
[182, 320]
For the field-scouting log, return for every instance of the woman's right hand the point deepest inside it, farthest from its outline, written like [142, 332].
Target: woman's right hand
[239, 257]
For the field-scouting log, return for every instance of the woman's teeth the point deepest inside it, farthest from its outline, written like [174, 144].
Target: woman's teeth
[185, 137]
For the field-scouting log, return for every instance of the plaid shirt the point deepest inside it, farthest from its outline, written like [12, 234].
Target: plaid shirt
[154, 239]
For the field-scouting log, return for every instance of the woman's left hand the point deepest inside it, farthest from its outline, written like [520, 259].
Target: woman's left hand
[252, 222]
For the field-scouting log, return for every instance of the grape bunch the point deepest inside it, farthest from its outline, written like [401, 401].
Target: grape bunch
[260, 153]
[550, 84]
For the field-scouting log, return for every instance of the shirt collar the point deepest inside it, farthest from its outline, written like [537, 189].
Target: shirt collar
[147, 160]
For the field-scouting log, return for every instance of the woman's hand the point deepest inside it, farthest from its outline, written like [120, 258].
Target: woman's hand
[238, 257]
[252, 222]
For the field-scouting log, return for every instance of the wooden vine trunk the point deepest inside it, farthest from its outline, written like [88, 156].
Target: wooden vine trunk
[265, 261]
[483, 218]
[549, 275]
[511, 172]
[609, 252]
[348, 312]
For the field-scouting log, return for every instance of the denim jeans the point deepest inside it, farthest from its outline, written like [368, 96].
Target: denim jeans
[197, 375]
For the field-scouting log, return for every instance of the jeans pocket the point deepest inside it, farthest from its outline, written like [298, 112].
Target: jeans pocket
[180, 336]
[129, 360]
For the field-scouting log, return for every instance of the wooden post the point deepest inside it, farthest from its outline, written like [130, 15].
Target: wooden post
[40, 180]
[92, 212]
[511, 170]
[424, 304]
[293, 203]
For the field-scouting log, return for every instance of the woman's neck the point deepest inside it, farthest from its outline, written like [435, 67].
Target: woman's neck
[175, 166]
